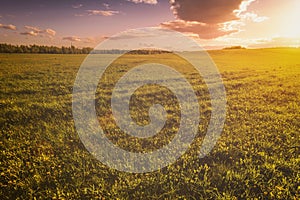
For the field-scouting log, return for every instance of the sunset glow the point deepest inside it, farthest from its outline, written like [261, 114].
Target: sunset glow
[290, 20]
[215, 24]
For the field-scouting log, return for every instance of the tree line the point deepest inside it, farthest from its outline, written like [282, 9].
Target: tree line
[9, 48]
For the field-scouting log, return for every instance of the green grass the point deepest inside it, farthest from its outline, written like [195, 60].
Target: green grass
[257, 155]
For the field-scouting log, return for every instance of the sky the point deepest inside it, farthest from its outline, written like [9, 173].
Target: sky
[212, 23]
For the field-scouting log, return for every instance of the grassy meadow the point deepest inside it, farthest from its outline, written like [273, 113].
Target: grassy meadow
[256, 157]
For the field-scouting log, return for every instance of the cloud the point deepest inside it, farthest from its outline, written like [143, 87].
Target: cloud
[243, 7]
[72, 38]
[32, 28]
[194, 28]
[35, 31]
[242, 12]
[133, 34]
[244, 16]
[232, 26]
[88, 40]
[105, 13]
[212, 11]
[31, 33]
[153, 2]
[106, 5]
[253, 17]
[76, 6]
[210, 19]
[79, 15]
[276, 42]
[8, 26]
[204, 18]
[50, 32]
[83, 40]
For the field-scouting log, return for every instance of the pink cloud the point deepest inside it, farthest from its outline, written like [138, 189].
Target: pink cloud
[153, 2]
[72, 38]
[105, 13]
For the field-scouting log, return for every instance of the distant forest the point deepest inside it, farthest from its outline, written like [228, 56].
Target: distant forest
[9, 48]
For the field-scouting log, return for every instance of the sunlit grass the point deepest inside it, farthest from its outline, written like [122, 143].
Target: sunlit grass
[256, 156]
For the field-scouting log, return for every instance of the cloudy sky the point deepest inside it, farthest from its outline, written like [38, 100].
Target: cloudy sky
[213, 23]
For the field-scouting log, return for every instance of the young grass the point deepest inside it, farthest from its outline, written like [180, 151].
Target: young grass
[257, 155]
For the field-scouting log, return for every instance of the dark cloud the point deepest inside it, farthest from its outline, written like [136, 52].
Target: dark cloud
[204, 31]
[206, 18]
[206, 11]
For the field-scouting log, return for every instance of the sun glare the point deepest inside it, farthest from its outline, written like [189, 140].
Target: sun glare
[290, 21]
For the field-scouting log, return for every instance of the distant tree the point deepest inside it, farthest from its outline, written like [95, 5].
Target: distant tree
[234, 47]
[8, 48]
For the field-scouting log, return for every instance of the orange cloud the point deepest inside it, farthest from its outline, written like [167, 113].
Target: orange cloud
[72, 38]
[32, 28]
[35, 31]
[8, 26]
[202, 30]
[31, 33]
[51, 32]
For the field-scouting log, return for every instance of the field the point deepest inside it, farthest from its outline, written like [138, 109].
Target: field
[257, 155]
